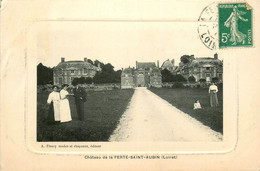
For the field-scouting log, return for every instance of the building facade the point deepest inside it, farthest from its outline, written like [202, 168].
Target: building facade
[146, 74]
[66, 71]
[202, 68]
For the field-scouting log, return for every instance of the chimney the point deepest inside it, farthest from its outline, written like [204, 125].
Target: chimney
[62, 59]
[215, 56]
[158, 63]
[173, 62]
[136, 64]
[85, 59]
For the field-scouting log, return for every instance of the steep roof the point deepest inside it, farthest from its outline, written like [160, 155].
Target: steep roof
[76, 64]
[145, 65]
[205, 62]
[167, 64]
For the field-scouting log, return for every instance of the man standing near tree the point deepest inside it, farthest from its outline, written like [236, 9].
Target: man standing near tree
[80, 99]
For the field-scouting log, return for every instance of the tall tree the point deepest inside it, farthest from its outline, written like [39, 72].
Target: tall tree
[185, 59]
[44, 74]
[166, 76]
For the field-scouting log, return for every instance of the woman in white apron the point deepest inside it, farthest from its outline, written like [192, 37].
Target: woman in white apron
[65, 115]
[54, 109]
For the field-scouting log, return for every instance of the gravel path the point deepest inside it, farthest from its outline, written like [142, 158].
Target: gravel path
[150, 118]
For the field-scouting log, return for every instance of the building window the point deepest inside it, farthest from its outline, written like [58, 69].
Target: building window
[207, 68]
[60, 81]
[85, 70]
[72, 71]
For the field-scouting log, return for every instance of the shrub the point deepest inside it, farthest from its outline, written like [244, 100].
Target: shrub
[82, 80]
[177, 85]
[202, 80]
[215, 79]
[179, 78]
[191, 79]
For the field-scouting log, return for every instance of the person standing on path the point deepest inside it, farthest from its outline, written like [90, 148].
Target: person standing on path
[65, 115]
[80, 99]
[213, 98]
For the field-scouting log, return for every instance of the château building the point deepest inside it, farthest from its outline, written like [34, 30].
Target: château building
[66, 71]
[202, 68]
[146, 74]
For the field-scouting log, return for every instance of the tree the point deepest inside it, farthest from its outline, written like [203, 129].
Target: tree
[108, 68]
[90, 61]
[185, 59]
[96, 62]
[107, 75]
[166, 76]
[44, 74]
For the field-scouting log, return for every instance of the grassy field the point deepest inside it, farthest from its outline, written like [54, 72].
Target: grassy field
[102, 113]
[183, 99]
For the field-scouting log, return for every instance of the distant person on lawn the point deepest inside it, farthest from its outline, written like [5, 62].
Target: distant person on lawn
[54, 108]
[213, 98]
[197, 105]
[80, 99]
[65, 115]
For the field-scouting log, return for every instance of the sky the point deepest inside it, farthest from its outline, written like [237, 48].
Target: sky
[120, 43]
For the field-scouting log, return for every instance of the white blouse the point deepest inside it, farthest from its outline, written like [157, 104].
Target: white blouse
[53, 96]
[213, 87]
[63, 94]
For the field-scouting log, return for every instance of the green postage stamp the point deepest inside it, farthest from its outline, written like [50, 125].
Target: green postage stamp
[235, 25]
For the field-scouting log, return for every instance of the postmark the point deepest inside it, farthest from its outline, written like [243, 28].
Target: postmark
[208, 26]
[235, 25]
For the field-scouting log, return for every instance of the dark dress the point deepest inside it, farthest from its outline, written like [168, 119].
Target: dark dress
[50, 117]
[213, 98]
[80, 99]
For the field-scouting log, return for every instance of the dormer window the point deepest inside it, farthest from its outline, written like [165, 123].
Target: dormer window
[85, 70]
[72, 71]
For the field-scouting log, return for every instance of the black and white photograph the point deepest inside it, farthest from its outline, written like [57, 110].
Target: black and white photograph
[136, 83]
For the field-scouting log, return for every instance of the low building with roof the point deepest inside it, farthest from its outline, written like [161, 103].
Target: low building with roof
[202, 68]
[146, 74]
[66, 71]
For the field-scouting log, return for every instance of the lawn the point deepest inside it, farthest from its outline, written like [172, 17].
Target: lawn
[102, 114]
[183, 99]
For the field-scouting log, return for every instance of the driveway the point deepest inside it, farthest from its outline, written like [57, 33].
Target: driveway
[150, 118]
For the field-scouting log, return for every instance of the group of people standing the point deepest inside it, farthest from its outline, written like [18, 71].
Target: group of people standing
[59, 109]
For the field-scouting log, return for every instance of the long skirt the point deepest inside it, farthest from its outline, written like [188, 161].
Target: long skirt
[213, 99]
[65, 115]
[54, 113]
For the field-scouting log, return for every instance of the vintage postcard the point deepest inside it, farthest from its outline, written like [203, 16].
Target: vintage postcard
[152, 82]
